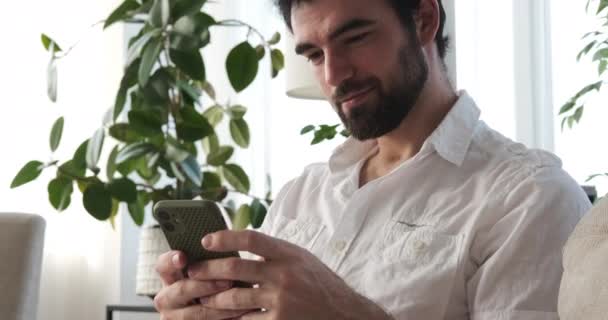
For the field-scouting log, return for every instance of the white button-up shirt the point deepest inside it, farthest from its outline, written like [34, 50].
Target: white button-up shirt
[472, 227]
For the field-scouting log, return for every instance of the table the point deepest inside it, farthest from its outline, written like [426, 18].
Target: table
[126, 308]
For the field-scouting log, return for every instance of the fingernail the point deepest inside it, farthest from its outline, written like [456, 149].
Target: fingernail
[175, 260]
[207, 240]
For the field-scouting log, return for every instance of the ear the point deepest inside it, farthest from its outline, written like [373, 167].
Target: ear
[427, 21]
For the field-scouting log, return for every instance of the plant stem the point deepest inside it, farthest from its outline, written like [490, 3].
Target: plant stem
[77, 42]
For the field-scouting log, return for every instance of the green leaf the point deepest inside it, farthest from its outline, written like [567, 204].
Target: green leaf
[211, 144]
[236, 177]
[602, 6]
[237, 112]
[124, 133]
[261, 51]
[600, 54]
[146, 123]
[212, 188]
[307, 129]
[134, 151]
[187, 7]
[97, 201]
[47, 42]
[56, 133]
[567, 107]
[175, 152]
[111, 164]
[71, 170]
[242, 66]
[177, 172]
[60, 193]
[258, 213]
[160, 13]
[602, 67]
[136, 48]
[136, 210]
[278, 61]
[192, 170]
[129, 79]
[80, 156]
[190, 62]
[115, 207]
[148, 60]
[239, 130]
[189, 91]
[242, 218]
[214, 115]
[591, 87]
[578, 114]
[123, 190]
[276, 37]
[193, 126]
[28, 173]
[220, 156]
[94, 149]
[586, 50]
[122, 12]
[208, 89]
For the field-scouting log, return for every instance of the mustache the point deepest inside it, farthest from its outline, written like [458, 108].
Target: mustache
[349, 86]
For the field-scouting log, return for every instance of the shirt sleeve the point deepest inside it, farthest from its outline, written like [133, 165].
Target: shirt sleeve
[518, 257]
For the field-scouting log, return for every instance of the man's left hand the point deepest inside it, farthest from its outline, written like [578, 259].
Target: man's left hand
[292, 283]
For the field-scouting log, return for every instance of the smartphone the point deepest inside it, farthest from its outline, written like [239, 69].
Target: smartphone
[186, 222]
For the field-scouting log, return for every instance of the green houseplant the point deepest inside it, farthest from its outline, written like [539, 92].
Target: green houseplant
[163, 128]
[596, 48]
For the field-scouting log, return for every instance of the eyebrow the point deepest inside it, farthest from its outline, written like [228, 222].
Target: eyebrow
[346, 27]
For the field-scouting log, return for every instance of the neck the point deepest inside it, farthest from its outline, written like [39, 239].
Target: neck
[403, 143]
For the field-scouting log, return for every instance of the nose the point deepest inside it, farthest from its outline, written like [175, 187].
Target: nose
[337, 68]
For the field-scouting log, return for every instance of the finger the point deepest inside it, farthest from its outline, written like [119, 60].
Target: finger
[250, 241]
[239, 299]
[183, 292]
[198, 312]
[250, 271]
[169, 266]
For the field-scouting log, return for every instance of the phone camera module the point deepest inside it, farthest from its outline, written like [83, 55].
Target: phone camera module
[169, 227]
[163, 215]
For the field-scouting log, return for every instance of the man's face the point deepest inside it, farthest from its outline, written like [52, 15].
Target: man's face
[368, 65]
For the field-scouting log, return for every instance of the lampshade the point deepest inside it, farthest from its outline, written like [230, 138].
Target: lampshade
[300, 80]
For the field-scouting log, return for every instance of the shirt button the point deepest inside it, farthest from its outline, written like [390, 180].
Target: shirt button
[339, 246]
[290, 231]
[419, 246]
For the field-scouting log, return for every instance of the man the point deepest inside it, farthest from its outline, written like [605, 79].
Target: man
[425, 213]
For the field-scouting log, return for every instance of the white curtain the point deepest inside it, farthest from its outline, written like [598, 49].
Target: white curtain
[80, 269]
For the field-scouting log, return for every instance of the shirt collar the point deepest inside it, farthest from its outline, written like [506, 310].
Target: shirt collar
[451, 139]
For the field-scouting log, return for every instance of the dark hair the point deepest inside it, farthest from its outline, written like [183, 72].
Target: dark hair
[405, 10]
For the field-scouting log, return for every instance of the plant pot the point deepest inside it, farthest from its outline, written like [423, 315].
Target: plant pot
[152, 243]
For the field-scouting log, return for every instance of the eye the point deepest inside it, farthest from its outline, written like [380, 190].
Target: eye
[315, 57]
[357, 38]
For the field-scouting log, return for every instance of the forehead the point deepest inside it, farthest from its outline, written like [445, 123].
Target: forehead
[316, 19]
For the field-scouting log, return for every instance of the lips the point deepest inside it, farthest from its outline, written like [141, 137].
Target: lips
[353, 98]
[356, 94]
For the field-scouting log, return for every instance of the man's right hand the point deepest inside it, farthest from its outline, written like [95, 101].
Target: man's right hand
[175, 300]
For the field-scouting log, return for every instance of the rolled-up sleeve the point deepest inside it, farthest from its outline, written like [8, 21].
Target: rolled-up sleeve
[518, 258]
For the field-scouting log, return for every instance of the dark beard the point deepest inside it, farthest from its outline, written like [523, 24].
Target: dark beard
[373, 121]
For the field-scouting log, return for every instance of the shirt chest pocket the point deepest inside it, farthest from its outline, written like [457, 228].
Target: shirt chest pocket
[414, 270]
[299, 231]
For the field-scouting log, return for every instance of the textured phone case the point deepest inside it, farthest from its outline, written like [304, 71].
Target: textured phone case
[188, 222]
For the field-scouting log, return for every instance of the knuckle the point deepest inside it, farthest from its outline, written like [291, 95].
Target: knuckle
[181, 289]
[159, 301]
[232, 267]
[250, 239]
